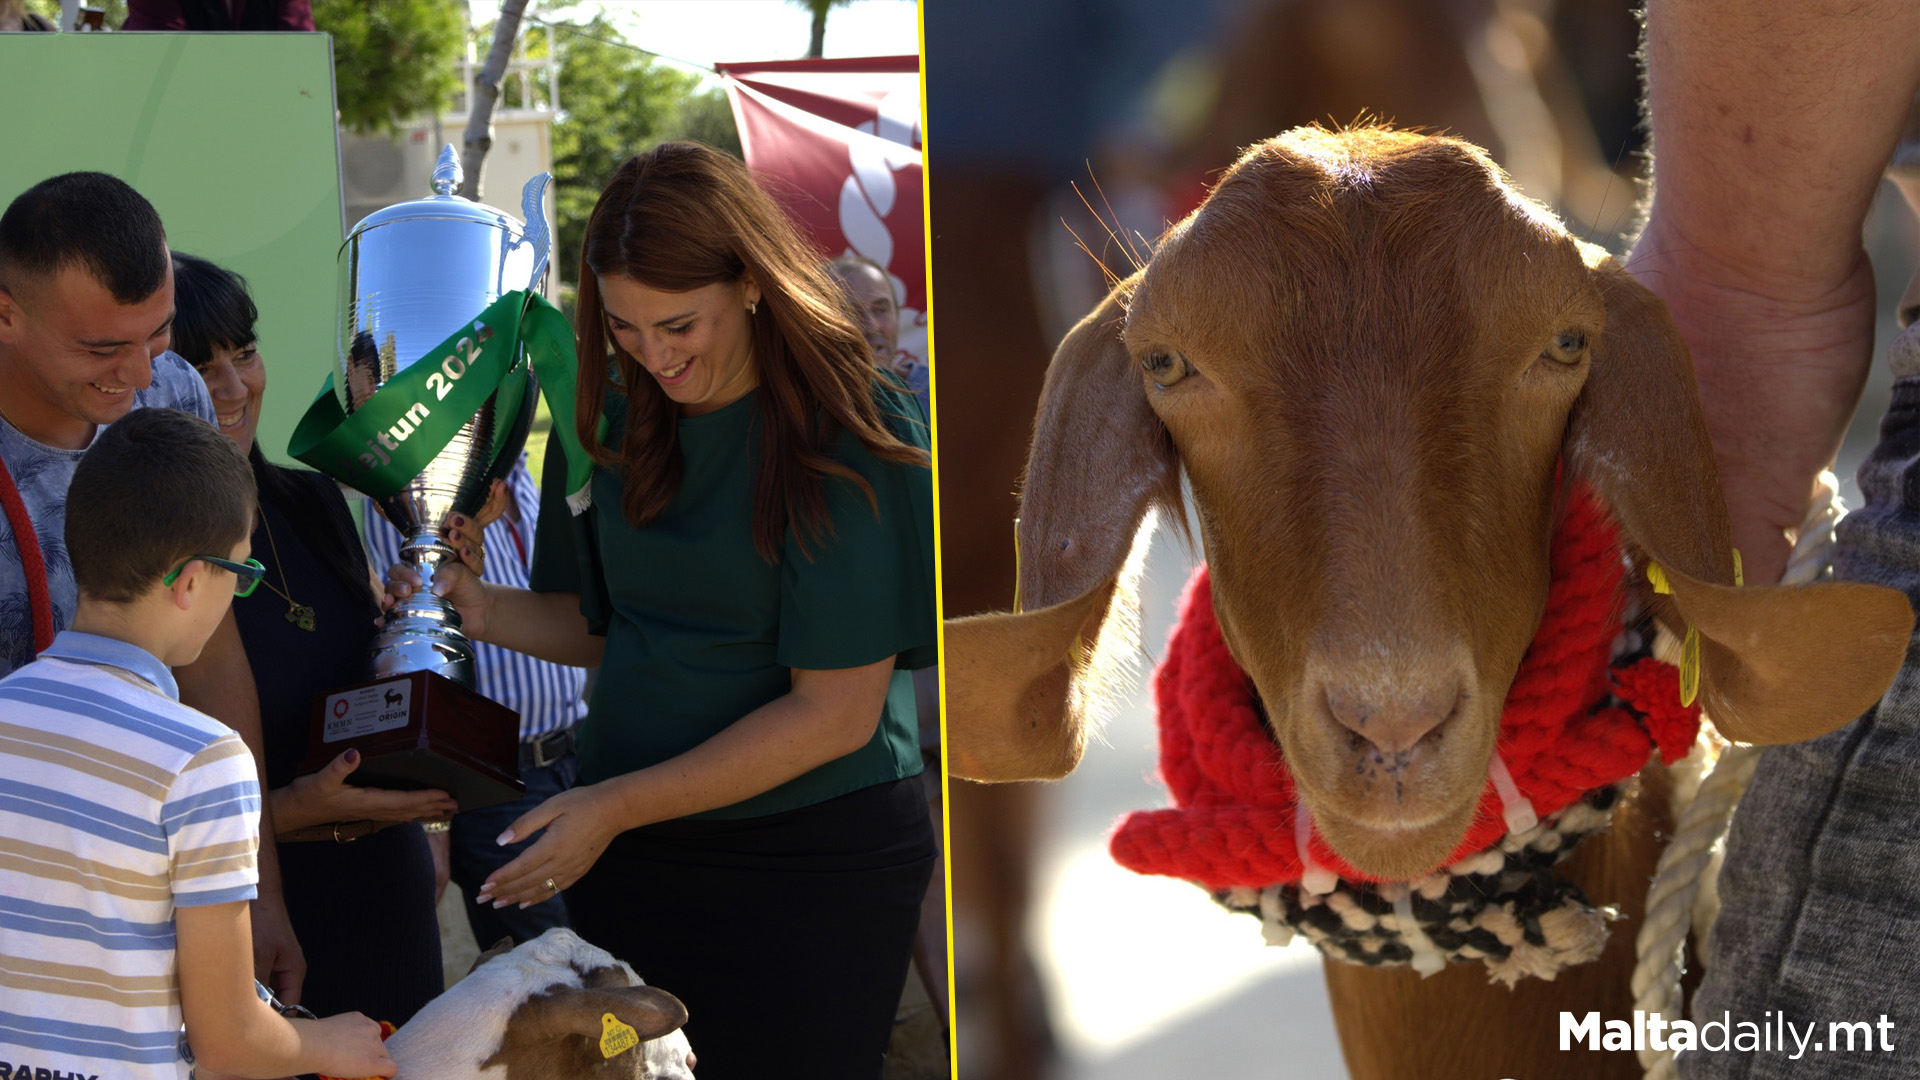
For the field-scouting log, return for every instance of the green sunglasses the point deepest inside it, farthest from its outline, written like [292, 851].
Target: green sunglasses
[248, 573]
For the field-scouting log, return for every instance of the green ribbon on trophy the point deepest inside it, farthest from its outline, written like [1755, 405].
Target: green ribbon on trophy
[391, 438]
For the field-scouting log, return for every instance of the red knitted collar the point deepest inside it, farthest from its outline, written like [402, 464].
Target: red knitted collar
[1572, 723]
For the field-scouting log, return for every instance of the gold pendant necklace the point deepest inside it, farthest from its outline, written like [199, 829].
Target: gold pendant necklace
[300, 615]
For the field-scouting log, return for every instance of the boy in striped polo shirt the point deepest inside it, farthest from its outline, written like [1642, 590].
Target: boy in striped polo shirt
[129, 823]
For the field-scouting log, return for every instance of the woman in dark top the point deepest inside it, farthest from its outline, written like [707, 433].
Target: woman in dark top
[363, 910]
[754, 578]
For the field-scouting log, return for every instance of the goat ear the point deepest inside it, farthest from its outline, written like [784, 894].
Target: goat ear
[1777, 664]
[1009, 679]
[1792, 662]
[1018, 685]
[565, 1011]
[498, 949]
[1100, 461]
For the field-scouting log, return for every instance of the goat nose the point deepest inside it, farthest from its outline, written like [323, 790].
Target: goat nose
[1395, 718]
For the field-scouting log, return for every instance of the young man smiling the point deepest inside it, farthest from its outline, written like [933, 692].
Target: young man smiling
[86, 304]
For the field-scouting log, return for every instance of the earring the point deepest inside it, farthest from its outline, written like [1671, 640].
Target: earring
[753, 308]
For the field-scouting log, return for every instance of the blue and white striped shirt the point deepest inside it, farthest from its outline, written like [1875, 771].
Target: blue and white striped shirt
[548, 696]
[118, 805]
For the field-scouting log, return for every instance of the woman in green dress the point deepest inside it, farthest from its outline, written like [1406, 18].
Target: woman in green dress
[754, 579]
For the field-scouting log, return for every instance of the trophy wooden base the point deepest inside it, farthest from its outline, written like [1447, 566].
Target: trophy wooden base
[420, 730]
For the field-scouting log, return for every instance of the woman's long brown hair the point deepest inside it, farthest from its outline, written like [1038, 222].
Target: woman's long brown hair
[683, 216]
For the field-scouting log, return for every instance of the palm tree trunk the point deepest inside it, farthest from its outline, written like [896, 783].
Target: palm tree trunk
[817, 49]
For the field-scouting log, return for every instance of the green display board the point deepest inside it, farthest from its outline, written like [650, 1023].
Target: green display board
[231, 136]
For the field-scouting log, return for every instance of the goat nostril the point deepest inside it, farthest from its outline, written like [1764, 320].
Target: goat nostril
[1396, 720]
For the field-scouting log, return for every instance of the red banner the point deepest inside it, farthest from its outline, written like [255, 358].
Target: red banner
[841, 138]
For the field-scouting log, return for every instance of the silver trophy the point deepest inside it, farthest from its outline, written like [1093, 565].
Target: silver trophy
[412, 275]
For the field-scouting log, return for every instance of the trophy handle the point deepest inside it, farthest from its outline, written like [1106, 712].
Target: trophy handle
[533, 208]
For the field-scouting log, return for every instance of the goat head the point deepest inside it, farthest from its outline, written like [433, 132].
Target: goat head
[536, 1013]
[1376, 363]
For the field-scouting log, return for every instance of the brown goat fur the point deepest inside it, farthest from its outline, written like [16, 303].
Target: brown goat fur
[537, 1012]
[555, 1035]
[1374, 362]
[1457, 1026]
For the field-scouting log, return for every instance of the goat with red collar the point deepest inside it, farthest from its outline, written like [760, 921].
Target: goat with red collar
[1393, 383]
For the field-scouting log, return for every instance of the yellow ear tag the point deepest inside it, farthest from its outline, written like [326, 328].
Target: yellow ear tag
[615, 1037]
[1690, 667]
[1658, 579]
[1739, 577]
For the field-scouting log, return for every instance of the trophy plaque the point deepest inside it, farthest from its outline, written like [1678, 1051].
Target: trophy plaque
[426, 287]
[421, 730]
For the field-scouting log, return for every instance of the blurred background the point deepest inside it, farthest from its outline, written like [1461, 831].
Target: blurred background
[1058, 124]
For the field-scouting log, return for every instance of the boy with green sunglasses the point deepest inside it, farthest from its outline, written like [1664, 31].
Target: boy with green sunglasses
[246, 575]
[143, 814]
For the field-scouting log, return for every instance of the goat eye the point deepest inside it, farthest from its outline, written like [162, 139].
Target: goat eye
[1567, 347]
[1165, 369]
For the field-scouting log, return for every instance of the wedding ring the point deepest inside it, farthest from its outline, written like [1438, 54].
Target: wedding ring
[551, 887]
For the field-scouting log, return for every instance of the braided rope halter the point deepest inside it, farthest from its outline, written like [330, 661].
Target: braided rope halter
[1586, 709]
[1677, 902]
[1681, 898]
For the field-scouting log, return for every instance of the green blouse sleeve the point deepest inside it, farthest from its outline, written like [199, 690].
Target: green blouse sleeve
[866, 592]
[566, 550]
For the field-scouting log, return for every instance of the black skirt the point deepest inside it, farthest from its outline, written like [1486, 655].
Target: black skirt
[364, 915]
[787, 936]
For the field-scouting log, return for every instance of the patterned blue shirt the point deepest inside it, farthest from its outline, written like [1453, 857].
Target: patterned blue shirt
[547, 696]
[42, 474]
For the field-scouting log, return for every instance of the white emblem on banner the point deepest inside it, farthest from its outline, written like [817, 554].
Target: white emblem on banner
[867, 197]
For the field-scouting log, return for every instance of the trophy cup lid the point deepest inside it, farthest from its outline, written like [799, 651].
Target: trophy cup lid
[445, 203]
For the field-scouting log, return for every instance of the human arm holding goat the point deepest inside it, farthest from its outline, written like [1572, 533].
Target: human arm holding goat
[1771, 127]
[232, 1031]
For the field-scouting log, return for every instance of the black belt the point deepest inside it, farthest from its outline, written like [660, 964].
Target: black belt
[543, 750]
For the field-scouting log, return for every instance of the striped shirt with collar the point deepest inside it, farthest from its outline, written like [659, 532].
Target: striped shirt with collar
[118, 805]
[549, 697]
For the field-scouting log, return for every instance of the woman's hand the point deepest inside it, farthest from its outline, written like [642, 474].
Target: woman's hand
[325, 797]
[468, 535]
[457, 582]
[579, 825]
[827, 714]
[469, 539]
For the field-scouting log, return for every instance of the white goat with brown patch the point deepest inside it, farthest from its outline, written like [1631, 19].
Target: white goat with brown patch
[536, 1013]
